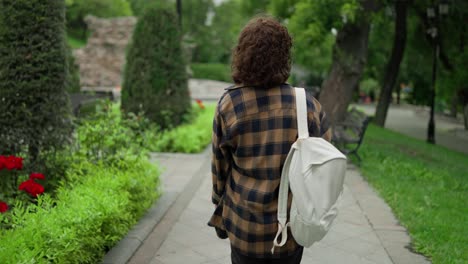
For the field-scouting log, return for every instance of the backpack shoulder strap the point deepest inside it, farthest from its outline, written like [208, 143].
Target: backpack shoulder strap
[303, 132]
[301, 110]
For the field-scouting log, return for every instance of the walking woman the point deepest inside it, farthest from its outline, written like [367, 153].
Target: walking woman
[253, 129]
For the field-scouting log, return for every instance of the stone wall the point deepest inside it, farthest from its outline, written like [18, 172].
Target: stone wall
[102, 60]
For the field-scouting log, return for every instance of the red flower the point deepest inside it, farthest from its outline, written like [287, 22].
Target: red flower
[200, 103]
[19, 163]
[3, 207]
[10, 162]
[36, 175]
[31, 187]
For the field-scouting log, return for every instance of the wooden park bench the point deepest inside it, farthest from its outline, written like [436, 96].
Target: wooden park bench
[349, 134]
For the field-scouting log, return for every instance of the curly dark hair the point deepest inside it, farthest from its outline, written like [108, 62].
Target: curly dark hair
[262, 56]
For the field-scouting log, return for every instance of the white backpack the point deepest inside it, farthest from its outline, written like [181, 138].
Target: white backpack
[315, 171]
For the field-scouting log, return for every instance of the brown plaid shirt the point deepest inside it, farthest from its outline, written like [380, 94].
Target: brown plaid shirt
[253, 130]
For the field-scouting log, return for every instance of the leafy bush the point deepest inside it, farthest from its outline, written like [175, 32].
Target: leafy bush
[89, 216]
[155, 78]
[188, 138]
[212, 71]
[426, 186]
[34, 109]
[104, 137]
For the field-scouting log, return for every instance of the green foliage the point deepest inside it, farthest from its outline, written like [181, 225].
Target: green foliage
[221, 36]
[155, 78]
[368, 85]
[252, 8]
[73, 76]
[34, 109]
[77, 10]
[188, 138]
[427, 188]
[75, 43]
[212, 71]
[108, 137]
[282, 8]
[310, 24]
[88, 216]
[380, 45]
[138, 6]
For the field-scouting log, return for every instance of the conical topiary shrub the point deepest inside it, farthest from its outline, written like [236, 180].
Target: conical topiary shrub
[155, 78]
[34, 106]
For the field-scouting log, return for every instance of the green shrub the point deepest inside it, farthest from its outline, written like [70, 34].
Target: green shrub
[212, 71]
[108, 137]
[34, 108]
[188, 138]
[89, 216]
[155, 78]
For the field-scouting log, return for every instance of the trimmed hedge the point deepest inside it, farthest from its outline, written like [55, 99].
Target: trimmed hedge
[34, 110]
[212, 71]
[88, 217]
[155, 77]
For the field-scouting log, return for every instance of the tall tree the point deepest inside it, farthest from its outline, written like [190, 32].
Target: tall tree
[349, 59]
[393, 66]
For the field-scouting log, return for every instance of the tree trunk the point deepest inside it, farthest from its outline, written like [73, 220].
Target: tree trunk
[179, 11]
[465, 113]
[393, 65]
[349, 59]
[453, 105]
[398, 96]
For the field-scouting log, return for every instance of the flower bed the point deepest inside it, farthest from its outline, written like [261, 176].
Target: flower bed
[86, 218]
[93, 193]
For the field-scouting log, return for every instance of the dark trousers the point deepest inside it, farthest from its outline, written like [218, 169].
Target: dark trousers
[238, 258]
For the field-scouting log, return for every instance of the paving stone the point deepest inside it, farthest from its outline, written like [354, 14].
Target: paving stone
[400, 254]
[181, 256]
[358, 246]
[370, 237]
[380, 256]
[214, 250]
[394, 236]
[332, 255]
[189, 236]
[333, 237]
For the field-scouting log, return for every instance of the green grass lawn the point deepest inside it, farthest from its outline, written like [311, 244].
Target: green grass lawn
[427, 188]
